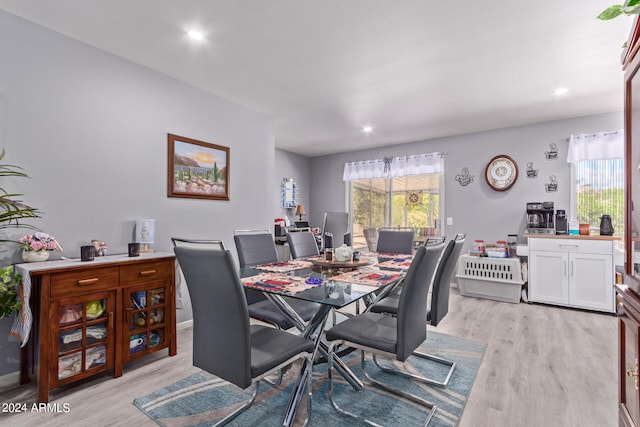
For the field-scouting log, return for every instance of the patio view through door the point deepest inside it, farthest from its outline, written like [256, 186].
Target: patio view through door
[399, 202]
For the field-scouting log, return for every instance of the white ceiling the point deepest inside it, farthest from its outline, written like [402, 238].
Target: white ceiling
[412, 69]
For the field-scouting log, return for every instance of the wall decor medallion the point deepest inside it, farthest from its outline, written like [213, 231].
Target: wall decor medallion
[464, 178]
[413, 198]
[501, 172]
[531, 172]
[197, 169]
[552, 154]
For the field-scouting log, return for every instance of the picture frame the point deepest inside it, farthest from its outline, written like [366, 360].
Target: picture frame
[197, 169]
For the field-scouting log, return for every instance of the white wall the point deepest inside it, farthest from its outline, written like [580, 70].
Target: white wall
[476, 209]
[91, 130]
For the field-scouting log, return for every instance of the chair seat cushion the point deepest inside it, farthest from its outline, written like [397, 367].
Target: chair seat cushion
[387, 305]
[270, 347]
[372, 330]
[306, 309]
[267, 312]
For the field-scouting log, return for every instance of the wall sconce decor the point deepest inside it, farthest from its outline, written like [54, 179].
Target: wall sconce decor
[552, 185]
[145, 233]
[464, 178]
[531, 172]
[552, 154]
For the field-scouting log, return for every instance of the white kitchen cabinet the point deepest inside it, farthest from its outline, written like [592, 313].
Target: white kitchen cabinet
[573, 272]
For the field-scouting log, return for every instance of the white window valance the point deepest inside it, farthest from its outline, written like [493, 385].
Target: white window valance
[389, 167]
[596, 146]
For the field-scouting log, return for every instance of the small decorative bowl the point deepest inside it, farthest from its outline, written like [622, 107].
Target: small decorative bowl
[313, 281]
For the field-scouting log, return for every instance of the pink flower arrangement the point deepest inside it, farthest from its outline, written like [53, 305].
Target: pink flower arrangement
[38, 242]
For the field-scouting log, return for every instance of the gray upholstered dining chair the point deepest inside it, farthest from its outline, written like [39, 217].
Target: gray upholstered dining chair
[336, 223]
[395, 337]
[371, 237]
[256, 247]
[302, 244]
[438, 304]
[225, 344]
[395, 241]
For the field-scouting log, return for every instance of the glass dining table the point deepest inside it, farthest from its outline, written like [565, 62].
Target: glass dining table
[332, 285]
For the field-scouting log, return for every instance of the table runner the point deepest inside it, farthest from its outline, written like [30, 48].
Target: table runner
[278, 282]
[368, 277]
[396, 263]
[283, 267]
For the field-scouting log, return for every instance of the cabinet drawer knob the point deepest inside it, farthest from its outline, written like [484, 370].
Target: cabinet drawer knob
[147, 272]
[85, 282]
[634, 373]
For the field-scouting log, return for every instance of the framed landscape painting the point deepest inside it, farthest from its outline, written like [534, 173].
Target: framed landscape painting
[197, 169]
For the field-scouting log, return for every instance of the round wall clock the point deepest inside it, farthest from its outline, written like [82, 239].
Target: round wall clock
[501, 172]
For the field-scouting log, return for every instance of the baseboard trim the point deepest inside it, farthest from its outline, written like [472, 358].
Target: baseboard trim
[9, 380]
[184, 325]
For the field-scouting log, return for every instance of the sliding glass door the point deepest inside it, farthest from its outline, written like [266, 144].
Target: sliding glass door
[400, 202]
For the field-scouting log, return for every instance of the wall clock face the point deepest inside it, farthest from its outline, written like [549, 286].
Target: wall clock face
[501, 172]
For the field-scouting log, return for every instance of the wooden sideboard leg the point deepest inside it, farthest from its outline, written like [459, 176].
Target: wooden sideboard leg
[173, 345]
[44, 344]
[24, 365]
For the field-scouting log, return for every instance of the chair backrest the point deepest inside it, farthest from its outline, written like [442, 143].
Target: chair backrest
[395, 241]
[442, 279]
[255, 247]
[197, 243]
[221, 330]
[412, 307]
[302, 244]
[371, 237]
[336, 223]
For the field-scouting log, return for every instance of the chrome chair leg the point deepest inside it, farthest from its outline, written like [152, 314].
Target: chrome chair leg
[240, 410]
[276, 382]
[432, 408]
[443, 384]
[334, 404]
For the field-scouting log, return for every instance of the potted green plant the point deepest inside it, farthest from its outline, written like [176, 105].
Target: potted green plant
[631, 7]
[12, 212]
[10, 283]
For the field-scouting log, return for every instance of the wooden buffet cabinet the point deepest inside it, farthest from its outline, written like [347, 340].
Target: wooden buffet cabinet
[628, 294]
[92, 317]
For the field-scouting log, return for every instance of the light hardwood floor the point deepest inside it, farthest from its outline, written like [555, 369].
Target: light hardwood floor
[544, 366]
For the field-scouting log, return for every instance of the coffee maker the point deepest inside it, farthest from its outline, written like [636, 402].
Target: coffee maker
[540, 218]
[561, 222]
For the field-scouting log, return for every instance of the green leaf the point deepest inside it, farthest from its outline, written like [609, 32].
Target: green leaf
[633, 3]
[611, 12]
[632, 10]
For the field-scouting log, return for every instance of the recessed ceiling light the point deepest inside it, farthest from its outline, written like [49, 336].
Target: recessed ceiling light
[367, 129]
[560, 91]
[195, 35]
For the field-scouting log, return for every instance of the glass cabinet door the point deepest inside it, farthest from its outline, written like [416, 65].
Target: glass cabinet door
[83, 330]
[146, 325]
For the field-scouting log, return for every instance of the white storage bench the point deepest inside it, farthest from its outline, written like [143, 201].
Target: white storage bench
[498, 279]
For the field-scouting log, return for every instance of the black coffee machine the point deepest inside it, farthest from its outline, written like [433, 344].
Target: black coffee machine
[540, 218]
[561, 222]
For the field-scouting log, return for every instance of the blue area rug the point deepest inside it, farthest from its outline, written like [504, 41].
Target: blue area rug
[201, 399]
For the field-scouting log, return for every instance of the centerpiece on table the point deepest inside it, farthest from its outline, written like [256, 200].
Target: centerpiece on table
[38, 246]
